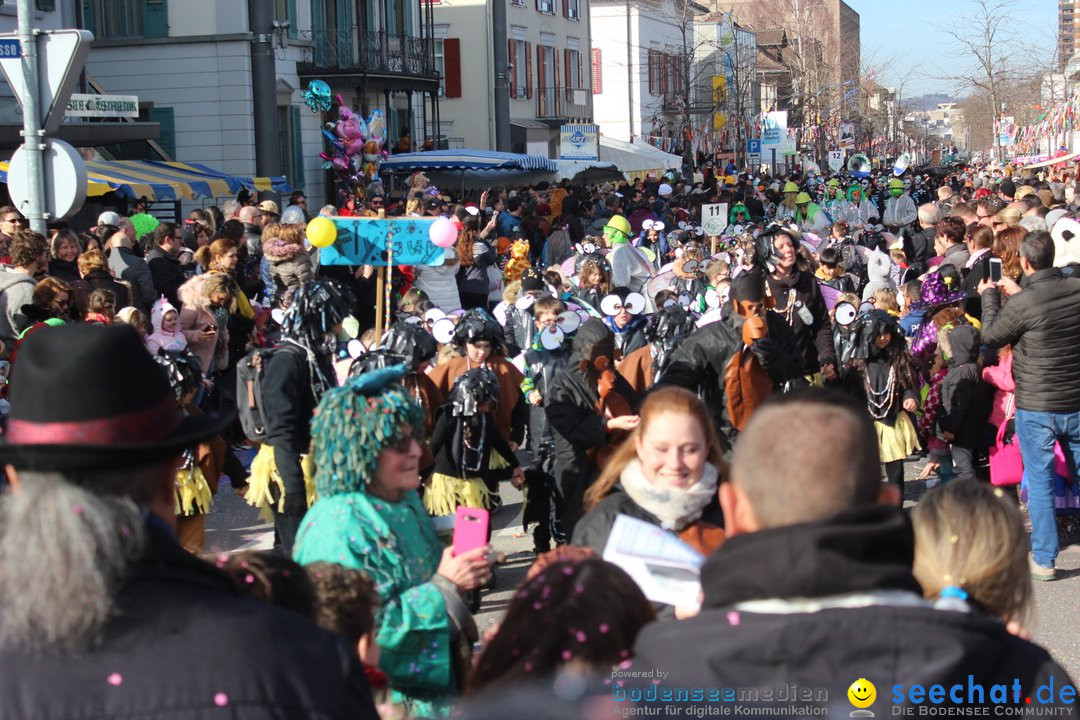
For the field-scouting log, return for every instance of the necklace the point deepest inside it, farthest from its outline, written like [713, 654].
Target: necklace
[878, 402]
[475, 451]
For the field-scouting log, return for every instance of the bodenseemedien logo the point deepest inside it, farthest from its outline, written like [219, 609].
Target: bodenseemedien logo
[862, 694]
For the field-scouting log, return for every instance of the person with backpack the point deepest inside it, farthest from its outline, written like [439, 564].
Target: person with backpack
[278, 391]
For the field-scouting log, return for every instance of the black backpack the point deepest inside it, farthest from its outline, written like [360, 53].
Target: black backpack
[249, 400]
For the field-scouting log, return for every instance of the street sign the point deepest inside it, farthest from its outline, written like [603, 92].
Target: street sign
[103, 106]
[753, 159]
[363, 241]
[753, 146]
[714, 218]
[10, 48]
[65, 180]
[61, 55]
[836, 160]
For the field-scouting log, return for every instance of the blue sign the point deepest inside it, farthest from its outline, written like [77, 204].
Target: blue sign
[363, 241]
[10, 48]
[753, 146]
[579, 142]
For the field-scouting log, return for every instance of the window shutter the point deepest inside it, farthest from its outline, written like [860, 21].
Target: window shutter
[597, 72]
[167, 137]
[297, 148]
[567, 68]
[452, 66]
[512, 60]
[580, 71]
[88, 14]
[541, 78]
[653, 80]
[555, 80]
[528, 71]
[663, 65]
[155, 19]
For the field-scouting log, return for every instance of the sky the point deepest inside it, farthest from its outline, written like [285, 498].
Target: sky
[905, 30]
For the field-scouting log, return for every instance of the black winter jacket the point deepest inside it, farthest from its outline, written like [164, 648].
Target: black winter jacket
[167, 273]
[288, 399]
[803, 636]
[185, 645]
[813, 342]
[593, 529]
[965, 399]
[1042, 323]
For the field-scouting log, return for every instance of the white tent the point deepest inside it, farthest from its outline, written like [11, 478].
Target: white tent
[637, 159]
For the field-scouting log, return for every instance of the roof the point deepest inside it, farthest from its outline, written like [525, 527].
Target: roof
[466, 159]
[158, 180]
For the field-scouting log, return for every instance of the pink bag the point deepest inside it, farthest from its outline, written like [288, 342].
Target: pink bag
[1006, 463]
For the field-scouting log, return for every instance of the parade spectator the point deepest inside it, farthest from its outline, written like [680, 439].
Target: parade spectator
[290, 263]
[94, 269]
[204, 319]
[11, 221]
[128, 266]
[142, 222]
[63, 253]
[253, 221]
[51, 298]
[475, 257]
[1042, 324]
[29, 258]
[949, 243]
[163, 261]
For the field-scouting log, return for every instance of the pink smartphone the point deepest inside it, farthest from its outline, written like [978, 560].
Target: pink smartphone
[470, 529]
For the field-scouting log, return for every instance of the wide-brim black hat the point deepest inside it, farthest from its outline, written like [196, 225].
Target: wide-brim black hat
[90, 397]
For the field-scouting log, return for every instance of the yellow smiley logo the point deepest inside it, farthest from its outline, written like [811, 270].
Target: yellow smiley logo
[862, 693]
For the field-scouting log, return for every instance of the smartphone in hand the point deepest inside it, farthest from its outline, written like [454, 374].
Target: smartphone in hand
[470, 529]
[995, 269]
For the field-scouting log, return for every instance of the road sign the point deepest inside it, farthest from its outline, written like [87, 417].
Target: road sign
[103, 106]
[714, 218]
[363, 241]
[61, 55]
[10, 48]
[753, 159]
[753, 146]
[836, 160]
[65, 180]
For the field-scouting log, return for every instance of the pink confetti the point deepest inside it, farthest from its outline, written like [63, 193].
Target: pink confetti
[125, 531]
[115, 679]
[249, 579]
[581, 636]
[77, 509]
[221, 699]
[733, 618]
[567, 655]
[603, 628]
[625, 663]
[568, 570]
[528, 666]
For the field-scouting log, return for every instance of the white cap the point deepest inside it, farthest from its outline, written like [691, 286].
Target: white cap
[109, 218]
[665, 190]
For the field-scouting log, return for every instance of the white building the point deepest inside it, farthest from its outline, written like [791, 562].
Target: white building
[551, 81]
[643, 48]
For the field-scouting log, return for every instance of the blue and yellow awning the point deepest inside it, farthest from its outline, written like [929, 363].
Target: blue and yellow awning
[158, 180]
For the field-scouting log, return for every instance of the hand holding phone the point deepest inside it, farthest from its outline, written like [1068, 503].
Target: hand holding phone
[995, 270]
[470, 529]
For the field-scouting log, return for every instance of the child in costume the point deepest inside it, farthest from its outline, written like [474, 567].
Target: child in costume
[166, 333]
[470, 453]
[665, 331]
[200, 466]
[624, 314]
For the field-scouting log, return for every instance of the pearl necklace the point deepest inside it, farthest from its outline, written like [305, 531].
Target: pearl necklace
[878, 402]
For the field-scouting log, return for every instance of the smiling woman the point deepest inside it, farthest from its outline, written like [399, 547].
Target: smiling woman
[665, 473]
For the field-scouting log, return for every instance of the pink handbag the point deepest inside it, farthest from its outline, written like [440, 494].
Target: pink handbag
[1006, 463]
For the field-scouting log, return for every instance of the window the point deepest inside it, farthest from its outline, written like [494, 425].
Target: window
[167, 138]
[440, 66]
[572, 9]
[572, 62]
[285, 11]
[546, 6]
[45, 5]
[654, 59]
[521, 75]
[517, 3]
[126, 18]
[597, 72]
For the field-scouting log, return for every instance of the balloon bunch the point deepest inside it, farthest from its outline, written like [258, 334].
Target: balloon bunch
[356, 147]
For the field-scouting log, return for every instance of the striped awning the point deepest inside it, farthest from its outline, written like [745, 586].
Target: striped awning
[159, 180]
[467, 160]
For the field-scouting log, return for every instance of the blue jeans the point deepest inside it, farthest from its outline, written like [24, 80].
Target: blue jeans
[1037, 433]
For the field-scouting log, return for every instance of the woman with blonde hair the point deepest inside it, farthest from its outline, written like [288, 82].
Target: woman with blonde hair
[207, 301]
[666, 473]
[971, 548]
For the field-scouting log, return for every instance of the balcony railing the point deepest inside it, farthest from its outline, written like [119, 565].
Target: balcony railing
[370, 51]
[552, 102]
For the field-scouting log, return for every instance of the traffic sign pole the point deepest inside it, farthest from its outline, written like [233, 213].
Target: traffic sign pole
[33, 136]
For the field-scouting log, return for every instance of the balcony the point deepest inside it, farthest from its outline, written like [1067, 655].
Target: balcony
[556, 102]
[363, 51]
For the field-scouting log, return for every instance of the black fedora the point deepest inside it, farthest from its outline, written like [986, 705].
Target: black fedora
[90, 397]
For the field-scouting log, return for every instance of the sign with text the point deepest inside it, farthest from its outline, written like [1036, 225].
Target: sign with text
[714, 218]
[80, 105]
[774, 134]
[579, 142]
[847, 136]
[363, 241]
[61, 55]
[836, 160]
[753, 146]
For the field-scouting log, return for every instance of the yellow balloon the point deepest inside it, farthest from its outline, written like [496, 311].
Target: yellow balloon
[321, 232]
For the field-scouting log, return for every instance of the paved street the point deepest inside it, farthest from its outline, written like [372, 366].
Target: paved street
[233, 525]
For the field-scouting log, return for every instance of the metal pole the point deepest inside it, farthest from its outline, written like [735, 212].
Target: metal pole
[33, 136]
[264, 91]
[502, 76]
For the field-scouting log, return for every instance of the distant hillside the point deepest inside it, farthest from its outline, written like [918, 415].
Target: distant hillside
[927, 102]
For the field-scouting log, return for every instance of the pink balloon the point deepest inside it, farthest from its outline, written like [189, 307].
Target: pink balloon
[443, 233]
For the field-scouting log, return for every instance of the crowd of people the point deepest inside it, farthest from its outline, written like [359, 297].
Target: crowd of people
[753, 393]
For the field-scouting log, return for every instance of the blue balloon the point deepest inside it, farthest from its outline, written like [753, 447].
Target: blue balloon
[317, 96]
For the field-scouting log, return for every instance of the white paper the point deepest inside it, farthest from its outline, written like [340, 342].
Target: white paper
[665, 568]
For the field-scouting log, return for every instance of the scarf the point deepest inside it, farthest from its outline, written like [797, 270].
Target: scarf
[674, 507]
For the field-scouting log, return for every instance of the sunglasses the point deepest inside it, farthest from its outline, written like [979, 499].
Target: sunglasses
[404, 443]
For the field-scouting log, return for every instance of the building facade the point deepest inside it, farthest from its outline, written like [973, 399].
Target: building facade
[551, 73]
[1068, 31]
[726, 60]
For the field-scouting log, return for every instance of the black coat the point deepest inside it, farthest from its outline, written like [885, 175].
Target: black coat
[64, 270]
[813, 342]
[593, 529]
[167, 273]
[288, 400]
[99, 280]
[1042, 323]
[896, 641]
[186, 645]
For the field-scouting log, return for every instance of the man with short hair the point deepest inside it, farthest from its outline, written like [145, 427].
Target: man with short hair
[949, 234]
[163, 261]
[509, 221]
[125, 264]
[95, 587]
[253, 220]
[1041, 321]
[919, 246]
[813, 587]
[30, 258]
[10, 222]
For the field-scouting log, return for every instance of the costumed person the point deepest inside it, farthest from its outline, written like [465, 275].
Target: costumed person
[591, 407]
[900, 210]
[471, 455]
[166, 335]
[833, 201]
[548, 357]
[689, 273]
[369, 517]
[294, 377]
[593, 277]
[885, 375]
[809, 216]
[666, 329]
[414, 347]
[520, 326]
[653, 242]
[624, 314]
[479, 341]
[739, 215]
[629, 265]
[201, 465]
[736, 363]
[856, 209]
[786, 210]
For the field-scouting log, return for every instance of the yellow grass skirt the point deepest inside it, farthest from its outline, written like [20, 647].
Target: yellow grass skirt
[263, 473]
[193, 496]
[446, 494]
[898, 441]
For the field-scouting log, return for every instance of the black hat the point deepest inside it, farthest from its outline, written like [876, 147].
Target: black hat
[532, 279]
[433, 203]
[89, 397]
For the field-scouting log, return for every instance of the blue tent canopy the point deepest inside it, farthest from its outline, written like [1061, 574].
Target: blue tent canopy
[465, 159]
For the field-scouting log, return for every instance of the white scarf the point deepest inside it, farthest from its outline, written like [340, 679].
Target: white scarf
[674, 507]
